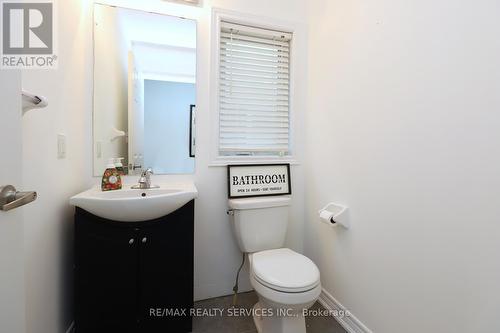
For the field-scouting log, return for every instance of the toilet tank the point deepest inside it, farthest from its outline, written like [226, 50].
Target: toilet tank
[260, 223]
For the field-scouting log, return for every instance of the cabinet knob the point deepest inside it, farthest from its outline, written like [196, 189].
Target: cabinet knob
[144, 240]
[131, 241]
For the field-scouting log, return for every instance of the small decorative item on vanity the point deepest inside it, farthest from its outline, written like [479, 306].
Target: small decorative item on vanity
[111, 179]
[119, 166]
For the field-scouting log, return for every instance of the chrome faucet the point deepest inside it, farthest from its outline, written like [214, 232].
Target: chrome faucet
[145, 180]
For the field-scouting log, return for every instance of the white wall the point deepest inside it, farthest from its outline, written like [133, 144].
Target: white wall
[49, 220]
[402, 126]
[217, 256]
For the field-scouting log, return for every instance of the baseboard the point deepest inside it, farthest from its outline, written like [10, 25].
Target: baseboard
[71, 328]
[350, 323]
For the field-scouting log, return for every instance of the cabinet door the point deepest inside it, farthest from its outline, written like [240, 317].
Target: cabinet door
[166, 272]
[106, 277]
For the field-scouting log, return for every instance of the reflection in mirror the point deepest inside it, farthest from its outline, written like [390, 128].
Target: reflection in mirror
[144, 91]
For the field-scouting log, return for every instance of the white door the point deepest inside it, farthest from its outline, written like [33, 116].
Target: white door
[12, 298]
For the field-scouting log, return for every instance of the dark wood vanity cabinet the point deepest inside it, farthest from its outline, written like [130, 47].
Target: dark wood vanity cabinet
[134, 277]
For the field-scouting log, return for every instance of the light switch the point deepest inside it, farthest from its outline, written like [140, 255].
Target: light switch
[61, 146]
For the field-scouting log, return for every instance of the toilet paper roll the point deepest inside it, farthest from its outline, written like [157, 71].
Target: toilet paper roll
[334, 215]
[326, 216]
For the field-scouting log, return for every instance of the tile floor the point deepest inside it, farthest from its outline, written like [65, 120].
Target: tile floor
[244, 324]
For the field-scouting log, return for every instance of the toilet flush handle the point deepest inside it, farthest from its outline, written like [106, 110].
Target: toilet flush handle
[230, 212]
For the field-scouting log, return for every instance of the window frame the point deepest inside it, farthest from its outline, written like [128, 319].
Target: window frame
[219, 15]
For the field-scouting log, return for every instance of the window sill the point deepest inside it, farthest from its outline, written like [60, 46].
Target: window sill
[224, 161]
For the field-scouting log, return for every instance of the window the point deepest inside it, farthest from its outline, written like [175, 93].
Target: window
[254, 91]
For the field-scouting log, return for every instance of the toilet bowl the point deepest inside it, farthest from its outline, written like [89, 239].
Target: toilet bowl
[286, 282]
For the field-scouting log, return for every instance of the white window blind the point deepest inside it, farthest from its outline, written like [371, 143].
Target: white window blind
[254, 86]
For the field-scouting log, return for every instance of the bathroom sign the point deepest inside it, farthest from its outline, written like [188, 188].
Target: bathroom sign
[258, 180]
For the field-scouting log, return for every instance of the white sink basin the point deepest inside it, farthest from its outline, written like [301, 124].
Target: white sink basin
[130, 205]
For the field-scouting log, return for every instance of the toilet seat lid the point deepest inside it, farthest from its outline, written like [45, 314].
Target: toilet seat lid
[285, 270]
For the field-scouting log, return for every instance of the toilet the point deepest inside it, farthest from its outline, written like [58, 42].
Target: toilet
[286, 282]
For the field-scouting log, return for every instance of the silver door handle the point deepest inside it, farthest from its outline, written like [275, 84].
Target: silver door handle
[10, 198]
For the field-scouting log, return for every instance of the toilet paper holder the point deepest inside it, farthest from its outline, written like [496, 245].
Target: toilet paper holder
[335, 214]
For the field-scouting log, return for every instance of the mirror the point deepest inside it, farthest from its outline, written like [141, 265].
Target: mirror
[144, 91]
